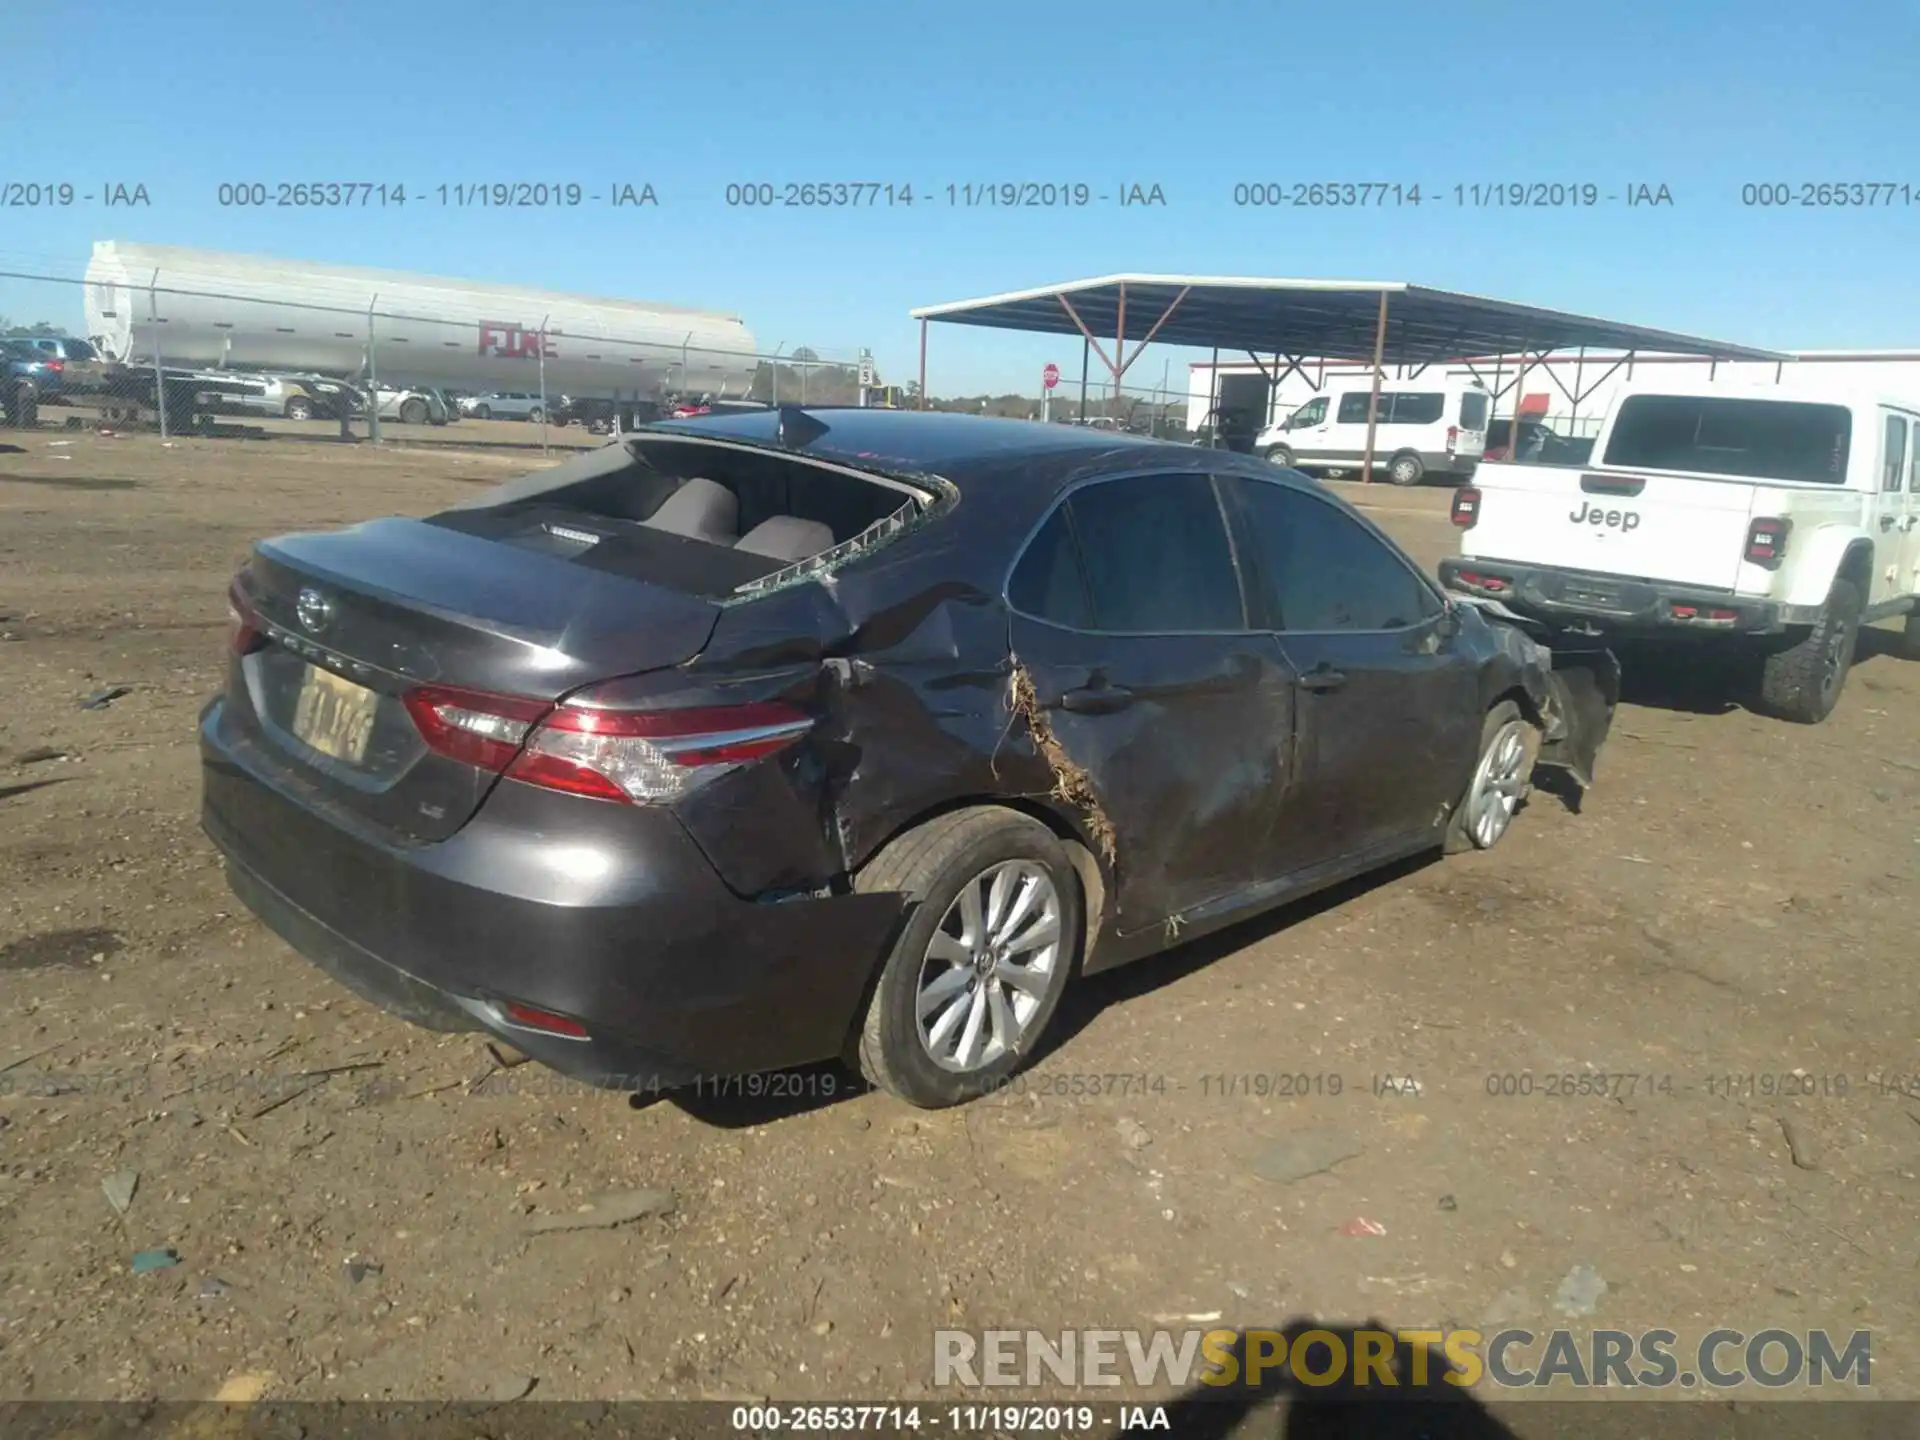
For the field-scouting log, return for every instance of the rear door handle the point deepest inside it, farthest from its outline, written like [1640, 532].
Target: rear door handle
[1323, 678]
[1097, 700]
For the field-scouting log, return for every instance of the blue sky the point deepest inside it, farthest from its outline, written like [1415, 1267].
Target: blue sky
[1195, 97]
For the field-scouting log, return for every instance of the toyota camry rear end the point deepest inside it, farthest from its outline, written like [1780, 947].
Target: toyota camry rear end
[454, 761]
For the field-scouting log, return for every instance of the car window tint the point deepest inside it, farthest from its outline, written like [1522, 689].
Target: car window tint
[1412, 408]
[1353, 408]
[1322, 570]
[1311, 413]
[1047, 582]
[1473, 411]
[1156, 555]
[1894, 465]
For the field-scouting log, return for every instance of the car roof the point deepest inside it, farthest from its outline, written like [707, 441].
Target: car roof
[935, 442]
[1806, 391]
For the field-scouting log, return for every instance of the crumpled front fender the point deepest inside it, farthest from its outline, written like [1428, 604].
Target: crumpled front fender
[1573, 681]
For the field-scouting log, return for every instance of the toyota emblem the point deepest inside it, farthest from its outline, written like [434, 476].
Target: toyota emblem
[315, 611]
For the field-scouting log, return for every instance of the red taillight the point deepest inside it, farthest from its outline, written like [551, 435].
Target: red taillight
[531, 1017]
[625, 755]
[243, 628]
[56, 366]
[1767, 541]
[1466, 507]
[1453, 438]
[1474, 580]
[473, 726]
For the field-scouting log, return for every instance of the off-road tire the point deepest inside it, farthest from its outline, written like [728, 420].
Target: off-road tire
[1278, 455]
[1458, 839]
[929, 865]
[1796, 683]
[1406, 469]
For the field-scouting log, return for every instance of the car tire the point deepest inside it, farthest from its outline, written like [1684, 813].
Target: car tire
[1406, 469]
[1802, 683]
[1278, 455]
[932, 865]
[483, 412]
[533, 416]
[299, 408]
[413, 412]
[1502, 778]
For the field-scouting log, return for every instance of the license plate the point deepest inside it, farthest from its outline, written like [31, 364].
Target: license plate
[334, 715]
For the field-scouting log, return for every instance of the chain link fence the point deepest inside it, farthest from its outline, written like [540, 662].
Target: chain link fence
[297, 352]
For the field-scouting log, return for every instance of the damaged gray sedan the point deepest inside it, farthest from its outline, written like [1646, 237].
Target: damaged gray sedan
[758, 740]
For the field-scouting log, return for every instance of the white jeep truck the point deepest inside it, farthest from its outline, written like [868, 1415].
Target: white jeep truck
[1783, 517]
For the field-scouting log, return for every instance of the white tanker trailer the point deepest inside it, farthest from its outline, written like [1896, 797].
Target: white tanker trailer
[250, 312]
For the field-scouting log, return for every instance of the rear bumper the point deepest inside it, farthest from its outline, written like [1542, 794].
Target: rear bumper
[608, 914]
[1620, 604]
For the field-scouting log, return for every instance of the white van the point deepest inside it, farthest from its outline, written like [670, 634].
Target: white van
[1437, 429]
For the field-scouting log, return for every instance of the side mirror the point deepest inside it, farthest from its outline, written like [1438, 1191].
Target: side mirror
[1448, 625]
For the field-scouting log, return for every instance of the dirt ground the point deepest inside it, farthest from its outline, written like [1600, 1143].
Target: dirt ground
[1732, 914]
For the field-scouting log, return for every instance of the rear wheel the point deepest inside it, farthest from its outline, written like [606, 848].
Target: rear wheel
[1803, 682]
[1406, 469]
[1502, 777]
[533, 415]
[299, 408]
[413, 412]
[978, 968]
[483, 412]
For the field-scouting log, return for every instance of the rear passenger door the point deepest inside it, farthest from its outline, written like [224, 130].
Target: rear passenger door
[1129, 619]
[1388, 723]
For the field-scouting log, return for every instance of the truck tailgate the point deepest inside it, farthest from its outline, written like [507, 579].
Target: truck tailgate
[1647, 526]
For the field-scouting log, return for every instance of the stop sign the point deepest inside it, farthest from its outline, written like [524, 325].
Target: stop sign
[1050, 376]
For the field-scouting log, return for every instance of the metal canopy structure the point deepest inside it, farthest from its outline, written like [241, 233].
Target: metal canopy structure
[1379, 321]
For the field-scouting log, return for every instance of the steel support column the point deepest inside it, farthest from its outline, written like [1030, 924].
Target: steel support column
[923, 364]
[1373, 402]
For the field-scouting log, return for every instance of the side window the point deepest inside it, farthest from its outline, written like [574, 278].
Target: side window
[1353, 407]
[1156, 556]
[1413, 408]
[1311, 413]
[1893, 460]
[1047, 583]
[1321, 570]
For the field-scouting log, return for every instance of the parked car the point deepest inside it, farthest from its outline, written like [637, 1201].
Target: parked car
[411, 405]
[761, 739]
[58, 365]
[1769, 522]
[504, 405]
[1438, 430]
[24, 379]
[293, 397]
[1538, 444]
[597, 413]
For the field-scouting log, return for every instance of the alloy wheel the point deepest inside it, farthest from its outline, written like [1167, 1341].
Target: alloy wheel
[989, 966]
[1499, 784]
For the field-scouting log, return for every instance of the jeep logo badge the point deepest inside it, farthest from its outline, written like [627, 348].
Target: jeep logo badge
[314, 610]
[1591, 514]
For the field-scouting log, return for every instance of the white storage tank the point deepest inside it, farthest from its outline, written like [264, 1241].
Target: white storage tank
[252, 312]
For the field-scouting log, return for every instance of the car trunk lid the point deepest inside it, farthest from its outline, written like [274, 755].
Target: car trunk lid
[353, 621]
